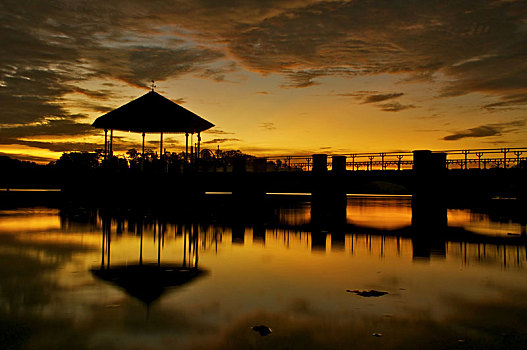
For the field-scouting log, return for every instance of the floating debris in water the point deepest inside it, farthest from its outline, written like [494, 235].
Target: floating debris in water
[378, 335]
[263, 330]
[367, 293]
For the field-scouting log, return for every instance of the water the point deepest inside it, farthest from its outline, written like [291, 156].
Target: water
[462, 292]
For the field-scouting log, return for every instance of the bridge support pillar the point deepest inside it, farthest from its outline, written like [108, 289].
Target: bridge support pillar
[429, 192]
[338, 164]
[328, 197]
[320, 163]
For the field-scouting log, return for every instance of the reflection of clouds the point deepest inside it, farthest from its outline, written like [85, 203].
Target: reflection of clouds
[300, 296]
[27, 266]
[482, 324]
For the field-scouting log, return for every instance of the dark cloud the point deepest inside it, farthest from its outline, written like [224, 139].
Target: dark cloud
[50, 49]
[376, 97]
[180, 100]
[218, 74]
[167, 142]
[220, 140]
[508, 102]
[30, 135]
[306, 77]
[65, 146]
[139, 64]
[52, 135]
[92, 106]
[487, 130]
[358, 94]
[100, 95]
[27, 157]
[369, 96]
[268, 126]
[465, 41]
[302, 79]
[73, 146]
[216, 131]
[395, 107]
[48, 128]
[381, 97]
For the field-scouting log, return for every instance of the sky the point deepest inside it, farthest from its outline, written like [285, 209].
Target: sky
[276, 77]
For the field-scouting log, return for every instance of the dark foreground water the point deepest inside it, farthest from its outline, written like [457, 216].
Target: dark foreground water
[77, 279]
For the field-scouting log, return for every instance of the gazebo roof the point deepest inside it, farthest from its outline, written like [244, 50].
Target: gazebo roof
[152, 113]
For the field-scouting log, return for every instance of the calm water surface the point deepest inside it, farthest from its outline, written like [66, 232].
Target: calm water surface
[62, 284]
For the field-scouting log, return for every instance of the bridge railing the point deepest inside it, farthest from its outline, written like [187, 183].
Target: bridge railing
[482, 158]
[486, 158]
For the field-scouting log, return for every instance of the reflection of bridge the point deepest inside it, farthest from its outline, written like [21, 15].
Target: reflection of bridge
[204, 235]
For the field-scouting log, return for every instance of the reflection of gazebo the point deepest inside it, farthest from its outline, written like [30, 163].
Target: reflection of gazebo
[147, 281]
[152, 113]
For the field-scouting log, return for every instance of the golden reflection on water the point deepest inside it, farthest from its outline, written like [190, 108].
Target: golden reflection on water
[380, 212]
[282, 275]
[38, 219]
[482, 224]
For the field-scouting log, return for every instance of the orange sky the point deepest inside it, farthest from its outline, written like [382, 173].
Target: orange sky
[275, 77]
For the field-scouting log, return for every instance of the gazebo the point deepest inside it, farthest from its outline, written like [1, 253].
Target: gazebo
[152, 113]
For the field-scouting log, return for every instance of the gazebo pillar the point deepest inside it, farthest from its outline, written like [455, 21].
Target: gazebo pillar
[161, 146]
[161, 163]
[186, 147]
[143, 155]
[199, 146]
[111, 142]
[192, 148]
[105, 143]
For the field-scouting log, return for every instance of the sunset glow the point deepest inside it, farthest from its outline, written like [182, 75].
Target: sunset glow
[275, 77]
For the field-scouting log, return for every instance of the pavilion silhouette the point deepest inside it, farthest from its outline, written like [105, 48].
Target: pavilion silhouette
[152, 113]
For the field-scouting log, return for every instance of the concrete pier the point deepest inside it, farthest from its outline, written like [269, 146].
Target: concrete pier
[320, 163]
[338, 164]
[328, 195]
[429, 194]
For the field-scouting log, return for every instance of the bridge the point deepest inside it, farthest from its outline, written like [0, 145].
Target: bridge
[478, 158]
[431, 175]
[433, 178]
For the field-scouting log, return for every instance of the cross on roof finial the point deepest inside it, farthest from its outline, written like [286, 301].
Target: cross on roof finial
[153, 85]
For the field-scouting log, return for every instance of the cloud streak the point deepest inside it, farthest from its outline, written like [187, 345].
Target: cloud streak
[487, 130]
[375, 97]
[395, 107]
[220, 140]
[381, 97]
[268, 126]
